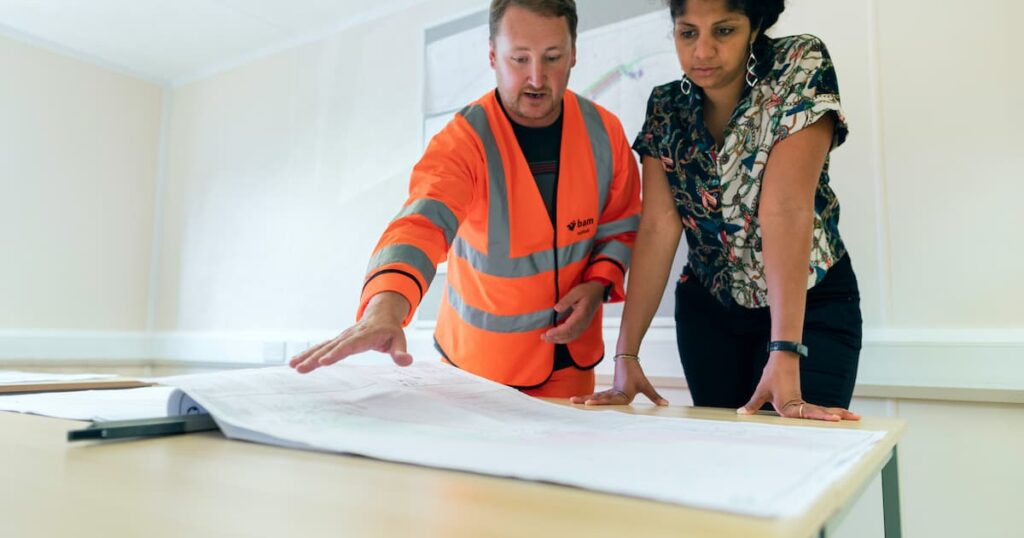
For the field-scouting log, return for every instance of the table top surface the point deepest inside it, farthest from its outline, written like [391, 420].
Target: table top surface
[202, 484]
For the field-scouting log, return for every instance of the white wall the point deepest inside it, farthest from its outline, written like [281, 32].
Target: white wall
[78, 164]
[950, 87]
[283, 172]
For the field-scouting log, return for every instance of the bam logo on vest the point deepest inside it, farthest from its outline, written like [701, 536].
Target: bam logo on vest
[580, 226]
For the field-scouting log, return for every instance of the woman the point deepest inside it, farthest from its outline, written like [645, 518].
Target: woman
[736, 156]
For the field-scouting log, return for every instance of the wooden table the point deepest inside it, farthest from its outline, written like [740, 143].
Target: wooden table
[205, 485]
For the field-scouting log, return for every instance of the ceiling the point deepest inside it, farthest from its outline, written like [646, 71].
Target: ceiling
[173, 41]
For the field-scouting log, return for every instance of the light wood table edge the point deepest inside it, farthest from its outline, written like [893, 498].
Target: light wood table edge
[894, 392]
[837, 499]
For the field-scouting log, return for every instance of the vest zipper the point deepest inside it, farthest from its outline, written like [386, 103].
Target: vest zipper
[554, 249]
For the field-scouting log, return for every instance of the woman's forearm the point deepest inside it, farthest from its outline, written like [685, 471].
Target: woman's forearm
[786, 236]
[653, 252]
[786, 217]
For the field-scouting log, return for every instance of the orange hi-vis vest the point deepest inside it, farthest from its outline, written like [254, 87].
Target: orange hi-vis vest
[473, 201]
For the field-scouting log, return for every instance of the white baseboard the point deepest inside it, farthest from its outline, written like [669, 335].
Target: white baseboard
[42, 345]
[969, 359]
[982, 359]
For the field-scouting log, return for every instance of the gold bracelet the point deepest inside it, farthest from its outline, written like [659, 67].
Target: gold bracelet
[626, 356]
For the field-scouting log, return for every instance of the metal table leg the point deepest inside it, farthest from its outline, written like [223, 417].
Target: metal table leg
[891, 498]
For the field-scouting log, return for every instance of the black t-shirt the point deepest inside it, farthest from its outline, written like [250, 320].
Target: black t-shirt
[542, 147]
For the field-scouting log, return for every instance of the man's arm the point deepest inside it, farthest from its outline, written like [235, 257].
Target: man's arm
[405, 259]
[380, 329]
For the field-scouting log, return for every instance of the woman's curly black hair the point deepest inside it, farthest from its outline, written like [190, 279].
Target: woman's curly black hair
[763, 14]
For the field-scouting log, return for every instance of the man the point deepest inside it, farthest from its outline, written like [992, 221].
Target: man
[532, 195]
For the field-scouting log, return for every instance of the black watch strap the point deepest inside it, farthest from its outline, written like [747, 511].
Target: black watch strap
[782, 345]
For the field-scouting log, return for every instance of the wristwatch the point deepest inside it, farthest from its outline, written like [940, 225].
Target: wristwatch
[782, 345]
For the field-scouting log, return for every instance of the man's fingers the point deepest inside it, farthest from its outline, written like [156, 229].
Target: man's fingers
[401, 358]
[306, 355]
[311, 357]
[567, 331]
[356, 343]
[563, 334]
[582, 312]
[356, 339]
[301, 357]
[398, 350]
[330, 352]
[554, 336]
[387, 341]
[312, 361]
[566, 302]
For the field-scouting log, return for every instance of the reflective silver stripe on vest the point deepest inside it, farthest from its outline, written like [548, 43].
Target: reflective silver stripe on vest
[500, 324]
[497, 261]
[497, 210]
[436, 212]
[616, 227]
[407, 254]
[601, 145]
[529, 265]
[615, 250]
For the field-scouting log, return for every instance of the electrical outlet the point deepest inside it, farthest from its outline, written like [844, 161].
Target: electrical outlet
[273, 352]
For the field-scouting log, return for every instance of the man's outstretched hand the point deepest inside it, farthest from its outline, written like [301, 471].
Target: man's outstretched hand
[379, 330]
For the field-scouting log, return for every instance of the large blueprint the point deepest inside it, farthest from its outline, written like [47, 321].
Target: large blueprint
[436, 415]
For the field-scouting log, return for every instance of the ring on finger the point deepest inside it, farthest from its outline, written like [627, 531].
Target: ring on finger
[802, 409]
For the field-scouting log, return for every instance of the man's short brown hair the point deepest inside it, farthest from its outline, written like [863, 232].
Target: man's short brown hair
[547, 8]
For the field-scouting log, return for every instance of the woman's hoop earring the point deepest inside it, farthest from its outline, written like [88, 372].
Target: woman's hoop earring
[686, 85]
[751, 64]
